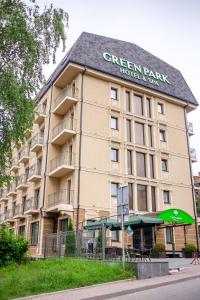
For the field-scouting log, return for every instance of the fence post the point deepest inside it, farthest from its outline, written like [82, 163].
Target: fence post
[45, 247]
[103, 242]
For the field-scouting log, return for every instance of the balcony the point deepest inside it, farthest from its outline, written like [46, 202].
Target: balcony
[18, 212]
[24, 155]
[14, 166]
[63, 131]
[34, 174]
[60, 201]
[193, 155]
[11, 190]
[22, 183]
[67, 98]
[31, 206]
[190, 128]
[4, 195]
[40, 114]
[62, 165]
[37, 143]
[7, 216]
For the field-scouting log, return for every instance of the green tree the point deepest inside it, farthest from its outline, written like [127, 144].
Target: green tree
[12, 249]
[70, 243]
[30, 37]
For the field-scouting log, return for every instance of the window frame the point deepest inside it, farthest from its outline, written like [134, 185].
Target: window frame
[143, 133]
[164, 162]
[116, 119]
[162, 135]
[138, 202]
[145, 165]
[168, 230]
[115, 90]
[128, 101]
[115, 239]
[34, 235]
[161, 106]
[142, 105]
[168, 198]
[115, 157]
[148, 105]
[117, 185]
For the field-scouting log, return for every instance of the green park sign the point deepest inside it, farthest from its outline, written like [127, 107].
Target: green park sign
[136, 71]
[175, 215]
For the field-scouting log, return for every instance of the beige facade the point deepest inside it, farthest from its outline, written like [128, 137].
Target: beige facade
[84, 142]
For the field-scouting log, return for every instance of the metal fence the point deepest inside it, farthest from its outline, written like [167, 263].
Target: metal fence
[81, 243]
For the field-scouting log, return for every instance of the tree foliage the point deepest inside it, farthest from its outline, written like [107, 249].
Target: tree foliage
[12, 249]
[70, 244]
[30, 37]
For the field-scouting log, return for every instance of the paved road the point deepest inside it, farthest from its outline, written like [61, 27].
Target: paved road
[186, 290]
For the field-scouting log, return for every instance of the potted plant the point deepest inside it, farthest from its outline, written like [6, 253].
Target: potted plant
[189, 249]
[159, 251]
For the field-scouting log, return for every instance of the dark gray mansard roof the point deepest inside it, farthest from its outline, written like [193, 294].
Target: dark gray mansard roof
[88, 52]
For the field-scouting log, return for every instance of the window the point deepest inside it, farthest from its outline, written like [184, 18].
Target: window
[115, 235]
[142, 197]
[153, 198]
[166, 197]
[113, 93]
[69, 183]
[160, 108]
[129, 162]
[14, 208]
[63, 225]
[21, 230]
[138, 105]
[130, 195]
[114, 189]
[128, 131]
[169, 235]
[151, 164]
[162, 135]
[114, 154]
[26, 174]
[37, 197]
[114, 123]
[141, 164]
[39, 166]
[139, 133]
[128, 101]
[150, 138]
[148, 102]
[70, 158]
[23, 203]
[34, 233]
[164, 164]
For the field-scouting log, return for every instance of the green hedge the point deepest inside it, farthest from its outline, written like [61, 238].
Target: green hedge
[12, 249]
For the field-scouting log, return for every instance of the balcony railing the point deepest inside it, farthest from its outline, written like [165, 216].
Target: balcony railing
[21, 182]
[14, 165]
[34, 173]
[63, 131]
[18, 211]
[24, 155]
[31, 205]
[3, 194]
[40, 113]
[62, 164]
[66, 98]
[37, 142]
[193, 154]
[11, 189]
[61, 197]
[190, 128]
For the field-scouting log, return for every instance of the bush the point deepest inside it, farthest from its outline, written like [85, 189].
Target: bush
[159, 248]
[12, 249]
[189, 248]
[70, 244]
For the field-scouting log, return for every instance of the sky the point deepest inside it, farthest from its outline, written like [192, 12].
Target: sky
[168, 29]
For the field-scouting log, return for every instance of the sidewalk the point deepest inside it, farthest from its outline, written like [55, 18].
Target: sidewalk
[109, 290]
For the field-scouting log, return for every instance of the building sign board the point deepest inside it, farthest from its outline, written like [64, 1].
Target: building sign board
[175, 215]
[135, 70]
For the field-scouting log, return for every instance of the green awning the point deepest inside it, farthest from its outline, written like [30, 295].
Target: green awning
[141, 221]
[175, 215]
[134, 222]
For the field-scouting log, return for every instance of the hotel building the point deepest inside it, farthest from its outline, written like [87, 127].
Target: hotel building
[110, 114]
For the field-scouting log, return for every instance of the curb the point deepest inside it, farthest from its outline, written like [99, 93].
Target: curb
[144, 288]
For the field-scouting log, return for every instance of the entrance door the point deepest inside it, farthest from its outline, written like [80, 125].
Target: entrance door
[143, 238]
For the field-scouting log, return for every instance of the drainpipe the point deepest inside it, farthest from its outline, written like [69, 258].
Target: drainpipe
[45, 171]
[192, 182]
[80, 150]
